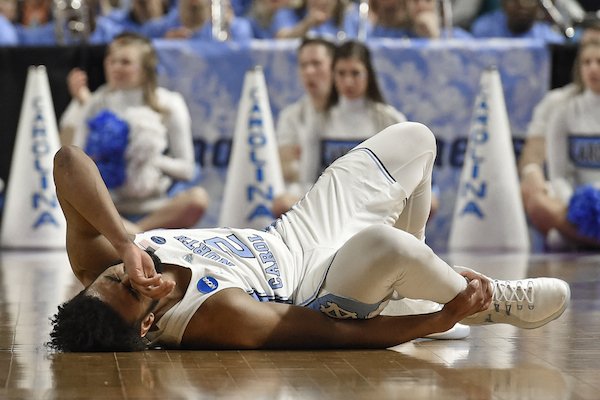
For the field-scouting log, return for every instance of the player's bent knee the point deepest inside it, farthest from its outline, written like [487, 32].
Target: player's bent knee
[413, 135]
[391, 246]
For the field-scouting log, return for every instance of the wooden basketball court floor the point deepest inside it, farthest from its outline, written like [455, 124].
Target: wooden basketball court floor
[558, 361]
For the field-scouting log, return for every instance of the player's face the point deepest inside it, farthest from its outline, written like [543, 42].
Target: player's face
[123, 67]
[315, 70]
[590, 67]
[114, 288]
[351, 78]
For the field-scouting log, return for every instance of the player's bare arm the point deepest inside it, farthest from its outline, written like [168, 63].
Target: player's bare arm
[231, 319]
[96, 237]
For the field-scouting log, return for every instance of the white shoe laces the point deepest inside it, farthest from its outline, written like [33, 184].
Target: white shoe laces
[509, 292]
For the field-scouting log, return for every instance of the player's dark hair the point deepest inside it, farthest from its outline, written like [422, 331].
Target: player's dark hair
[87, 324]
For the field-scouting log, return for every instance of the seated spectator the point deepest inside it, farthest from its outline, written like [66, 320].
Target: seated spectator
[34, 23]
[8, 33]
[71, 24]
[298, 122]
[325, 18]
[133, 20]
[569, 210]
[33, 13]
[532, 161]
[43, 35]
[139, 135]
[192, 20]
[424, 21]
[516, 19]
[261, 17]
[465, 12]
[411, 19]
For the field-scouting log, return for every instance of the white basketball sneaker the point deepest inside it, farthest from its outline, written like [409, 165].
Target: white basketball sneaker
[525, 303]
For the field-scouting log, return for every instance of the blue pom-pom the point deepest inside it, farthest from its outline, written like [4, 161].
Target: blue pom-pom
[106, 144]
[108, 135]
[584, 211]
[112, 172]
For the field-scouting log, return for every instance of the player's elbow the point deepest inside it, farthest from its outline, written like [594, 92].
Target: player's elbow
[64, 158]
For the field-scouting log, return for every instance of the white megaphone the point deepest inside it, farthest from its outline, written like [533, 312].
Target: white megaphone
[254, 176]
[488, 213]
[32, 217]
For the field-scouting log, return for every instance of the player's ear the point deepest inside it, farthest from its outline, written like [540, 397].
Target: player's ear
[146, 324]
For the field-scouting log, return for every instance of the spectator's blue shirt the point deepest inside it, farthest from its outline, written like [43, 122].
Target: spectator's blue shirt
[352, 26]
[352, 23]
[106, 30]
[8, 32]
[125, 18]
[239, 30]
[494, 24]
[41, 35]
[379, 31]
[44, 35]
[159, 27]
[259, 31]
[115, 23]
[288, 18]
[241, 7]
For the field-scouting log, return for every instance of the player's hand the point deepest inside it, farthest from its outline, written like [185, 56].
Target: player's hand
[486, 286]
[142, 275]
[466, 303]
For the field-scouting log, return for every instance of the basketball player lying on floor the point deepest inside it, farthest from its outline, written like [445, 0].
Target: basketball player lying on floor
[317, 278]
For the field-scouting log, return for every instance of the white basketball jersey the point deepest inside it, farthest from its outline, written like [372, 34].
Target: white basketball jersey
[252, 260]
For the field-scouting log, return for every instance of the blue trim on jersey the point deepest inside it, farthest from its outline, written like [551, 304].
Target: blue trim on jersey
[378, 162]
